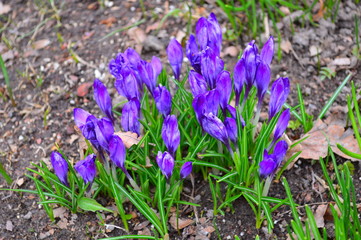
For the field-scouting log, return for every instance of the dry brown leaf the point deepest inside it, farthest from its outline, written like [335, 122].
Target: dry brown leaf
[109, 21]
[129, 138]
[139, 36]
[4, 8]
[320, 136]
[320, 12]
[152, 27]
[83, 89]
[319, 215]
[182, 222]
[40, 44]
[286, 46]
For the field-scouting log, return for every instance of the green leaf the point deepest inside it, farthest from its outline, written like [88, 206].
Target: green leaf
[89, 204]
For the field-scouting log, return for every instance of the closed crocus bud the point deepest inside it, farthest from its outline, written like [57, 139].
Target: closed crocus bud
[80, 117]
[205, 103]
[267, 166]
[281, 125]
[239, 78]
[186, 169]
[86, 168]
[231, 127]
[146, 73]
[193, 53]
[175, 57]
[197, 83]
[279, 93]
[267, 51]
[117, 152]
[157, 67]
[130, 116]
[127, 84]
[171, 134]
[211, 66]
[163, 100]
[103, 99]
[133, 57]
[202, 32]
[224, 87]
[250, 55]
[104, 130]
[263, 77]
[215, 127]
[280, 151]
[165, 162]
[232, 111]
[60, 167]
[214, 34]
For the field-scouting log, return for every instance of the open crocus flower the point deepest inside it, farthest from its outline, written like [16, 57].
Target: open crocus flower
[279, 93]
[165, 162]
[163, 100]
[86, 168]
[60, 167]
[270, 162]
[103, 99]
[206, 103]
[175, 57]
[186, 169]
[171, 134]
[130, 116]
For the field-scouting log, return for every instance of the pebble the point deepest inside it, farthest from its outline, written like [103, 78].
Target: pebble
[21, 138]
[72, 102]
[28, 215]
[9, 226]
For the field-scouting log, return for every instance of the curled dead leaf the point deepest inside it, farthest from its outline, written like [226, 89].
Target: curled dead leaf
[129, 138]
[40, 44]
[83, 89]
[182, 222]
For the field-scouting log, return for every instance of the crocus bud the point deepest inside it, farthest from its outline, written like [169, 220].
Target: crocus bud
[281, 125]
[103, 99]
[224, 87]
[197, 83]
[250, 55]
[231, 127]
[193, 53]
[279, 93]
[214, 34]
[202, 32]
[215, 127]
[104, 130]
[270, 162]
[130, 116]
[163, 100]
[267, 51]
[117, 152]
[165, 162]
[80, 117]
[127, 84]
[186, 169]
[60, 167]
[175, 57]
[280, 151]
[116, 65]
[86, 168]
[147, 74]
[157, 66]
[211, 66]
[239, 78]
[263, 77]
[133, 57]
[171, 134]
[205, 103]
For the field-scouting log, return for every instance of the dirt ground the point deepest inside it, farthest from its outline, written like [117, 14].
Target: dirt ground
[40, 46]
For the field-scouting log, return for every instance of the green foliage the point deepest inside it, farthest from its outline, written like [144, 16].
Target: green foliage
[5, 174]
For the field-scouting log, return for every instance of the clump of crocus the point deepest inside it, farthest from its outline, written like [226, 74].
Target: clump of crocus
[60, 166]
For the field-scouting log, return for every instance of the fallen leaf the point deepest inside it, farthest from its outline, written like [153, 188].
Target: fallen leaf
[59, 212]
[7, 55]
[20, 182]
[129, 138]
[83, 89]
[4, 8]
[40, 44]
[139, 36]
[341, 62]
[72, 138]
[319, 215]
[322, 135]
[209, 229]
[286, 46]
[152, 27]
[93, 6]
[182, 222]
[320, 12]
[109, 21]
[87, 35]
[141, 225]
[145, 231]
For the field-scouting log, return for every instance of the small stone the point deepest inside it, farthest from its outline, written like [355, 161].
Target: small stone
[9, 226]
[28, 215]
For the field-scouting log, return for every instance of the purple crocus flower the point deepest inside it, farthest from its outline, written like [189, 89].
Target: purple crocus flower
[157, 66]
[215, 127]
[171, 134]
[232, 111]
[211, 66]
[224, 87]
[281, 125]
[60, 167]
[130, 116]
[127, 85]
[279, 93]
[147, 74]
[209, 33]
[132, 57]
[163, 100]
[267, 51]
[88, 131]
[80, 117]
[250, 57]
[197, 83]
[239, 78]
[165, 162]
[205, 103]
[116, 65]
[193, 54]
[175, 57]
[86, 168]
[263, 77]
[104, 130]
[103, 99]
[117, 152]
[186, 169]
[270, 162]
[231, 127]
